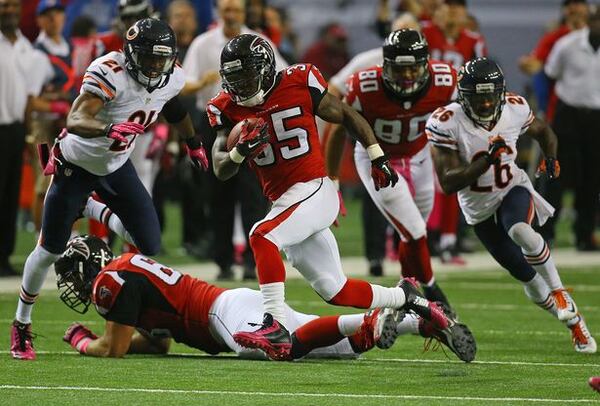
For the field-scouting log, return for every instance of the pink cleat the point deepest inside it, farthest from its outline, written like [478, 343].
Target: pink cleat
[271, 337]
[21, 341]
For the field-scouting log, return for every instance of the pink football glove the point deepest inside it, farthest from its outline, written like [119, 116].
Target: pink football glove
[197, 153]
[157, 145]
[79, 336]
[60, 107]
[120, 131]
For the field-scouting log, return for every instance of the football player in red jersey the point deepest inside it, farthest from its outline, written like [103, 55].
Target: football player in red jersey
[286, 155]
[396, 99]
[145, 304]
[130, 11]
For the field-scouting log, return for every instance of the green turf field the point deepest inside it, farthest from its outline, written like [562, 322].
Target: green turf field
[524, 355]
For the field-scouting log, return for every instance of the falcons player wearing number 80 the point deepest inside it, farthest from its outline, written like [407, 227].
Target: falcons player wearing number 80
[396, 99]
[475, 146]
[287, 158]
[121, 95]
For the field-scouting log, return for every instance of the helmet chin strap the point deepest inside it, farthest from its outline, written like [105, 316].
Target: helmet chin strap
[255, 100]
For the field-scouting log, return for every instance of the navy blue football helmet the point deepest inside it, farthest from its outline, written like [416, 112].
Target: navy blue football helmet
[481, 91]
[151, 51]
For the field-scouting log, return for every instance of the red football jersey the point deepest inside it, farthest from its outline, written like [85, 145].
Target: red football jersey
[400, 125]
[294, 152]
[467, 46]
[137, 291]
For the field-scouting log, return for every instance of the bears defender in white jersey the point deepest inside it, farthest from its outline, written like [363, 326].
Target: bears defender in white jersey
[450, 127]
[125, 100]
[474, 149]
[122, 94]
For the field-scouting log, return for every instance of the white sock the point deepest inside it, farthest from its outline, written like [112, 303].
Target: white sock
[348, 324]
[100, 212]
[387, 297]
[536, 252]
[538, 291]
[408, 325]
[273, 300]
[36, 268]
[447, 240]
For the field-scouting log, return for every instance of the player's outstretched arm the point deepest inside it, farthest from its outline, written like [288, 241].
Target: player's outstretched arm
[113, 344]
[223, 166]
[81, 120]
[143, 343]
[452, 173]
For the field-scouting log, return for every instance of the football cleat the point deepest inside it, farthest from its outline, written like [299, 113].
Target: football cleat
[582, 338]
[271, 337]
[565, 305]
[21, 341]
[385, 330]
[457, 337]
[594, 382]
[421, 306]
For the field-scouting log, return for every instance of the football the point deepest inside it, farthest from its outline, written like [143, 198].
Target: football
[234, 134]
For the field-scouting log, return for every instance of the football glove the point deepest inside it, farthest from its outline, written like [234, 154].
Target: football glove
[119, 131]
[549, 166]
[197, 153]
[496, 148]
[159, 141]
[253, 142]
[382, 173]
[79, 336]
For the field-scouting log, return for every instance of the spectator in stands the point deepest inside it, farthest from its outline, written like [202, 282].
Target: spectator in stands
[129, 11]
[573, 64]
[422, 10]
[201, 66]
[59, 92]
[85, 47]
[330, 52]
[278, 20]
[20, 80]
[574, 17]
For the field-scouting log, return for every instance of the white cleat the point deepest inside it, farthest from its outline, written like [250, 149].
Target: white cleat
[565, 305]
[385, 331]
[582, 338]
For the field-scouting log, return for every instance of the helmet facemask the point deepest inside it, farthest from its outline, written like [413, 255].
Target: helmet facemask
[246, 84]
[405, 75]
[483, 104]
[77, 268]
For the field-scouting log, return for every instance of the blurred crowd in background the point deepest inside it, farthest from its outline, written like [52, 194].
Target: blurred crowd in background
[67, 35]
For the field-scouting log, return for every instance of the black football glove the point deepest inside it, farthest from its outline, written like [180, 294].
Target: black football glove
[253, 142]
[550, 167]
[496, 148]
[382, 173]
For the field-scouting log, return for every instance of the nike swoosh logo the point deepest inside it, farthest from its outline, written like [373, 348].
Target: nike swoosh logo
[103, 71]
[253, 145]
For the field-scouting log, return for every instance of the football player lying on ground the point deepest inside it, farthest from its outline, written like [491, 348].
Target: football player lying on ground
[146, 303]
[475, 146]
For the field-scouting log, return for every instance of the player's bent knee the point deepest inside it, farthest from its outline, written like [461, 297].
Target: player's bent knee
[328, 288]
[524, 236]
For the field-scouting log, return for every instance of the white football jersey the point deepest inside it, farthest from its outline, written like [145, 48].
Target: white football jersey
[449, 127]
[125, 100]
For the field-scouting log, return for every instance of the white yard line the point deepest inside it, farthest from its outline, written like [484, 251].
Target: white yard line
[370, 360]
[291, 394]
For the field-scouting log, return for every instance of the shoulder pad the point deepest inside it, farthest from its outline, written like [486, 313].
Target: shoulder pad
[440, 127]
[106, 288]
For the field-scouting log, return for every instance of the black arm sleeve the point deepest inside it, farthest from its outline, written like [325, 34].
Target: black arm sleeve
[128, 305]
[174, 111]
[316, 97]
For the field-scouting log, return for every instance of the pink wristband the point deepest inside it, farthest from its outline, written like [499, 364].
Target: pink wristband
[82, 345]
